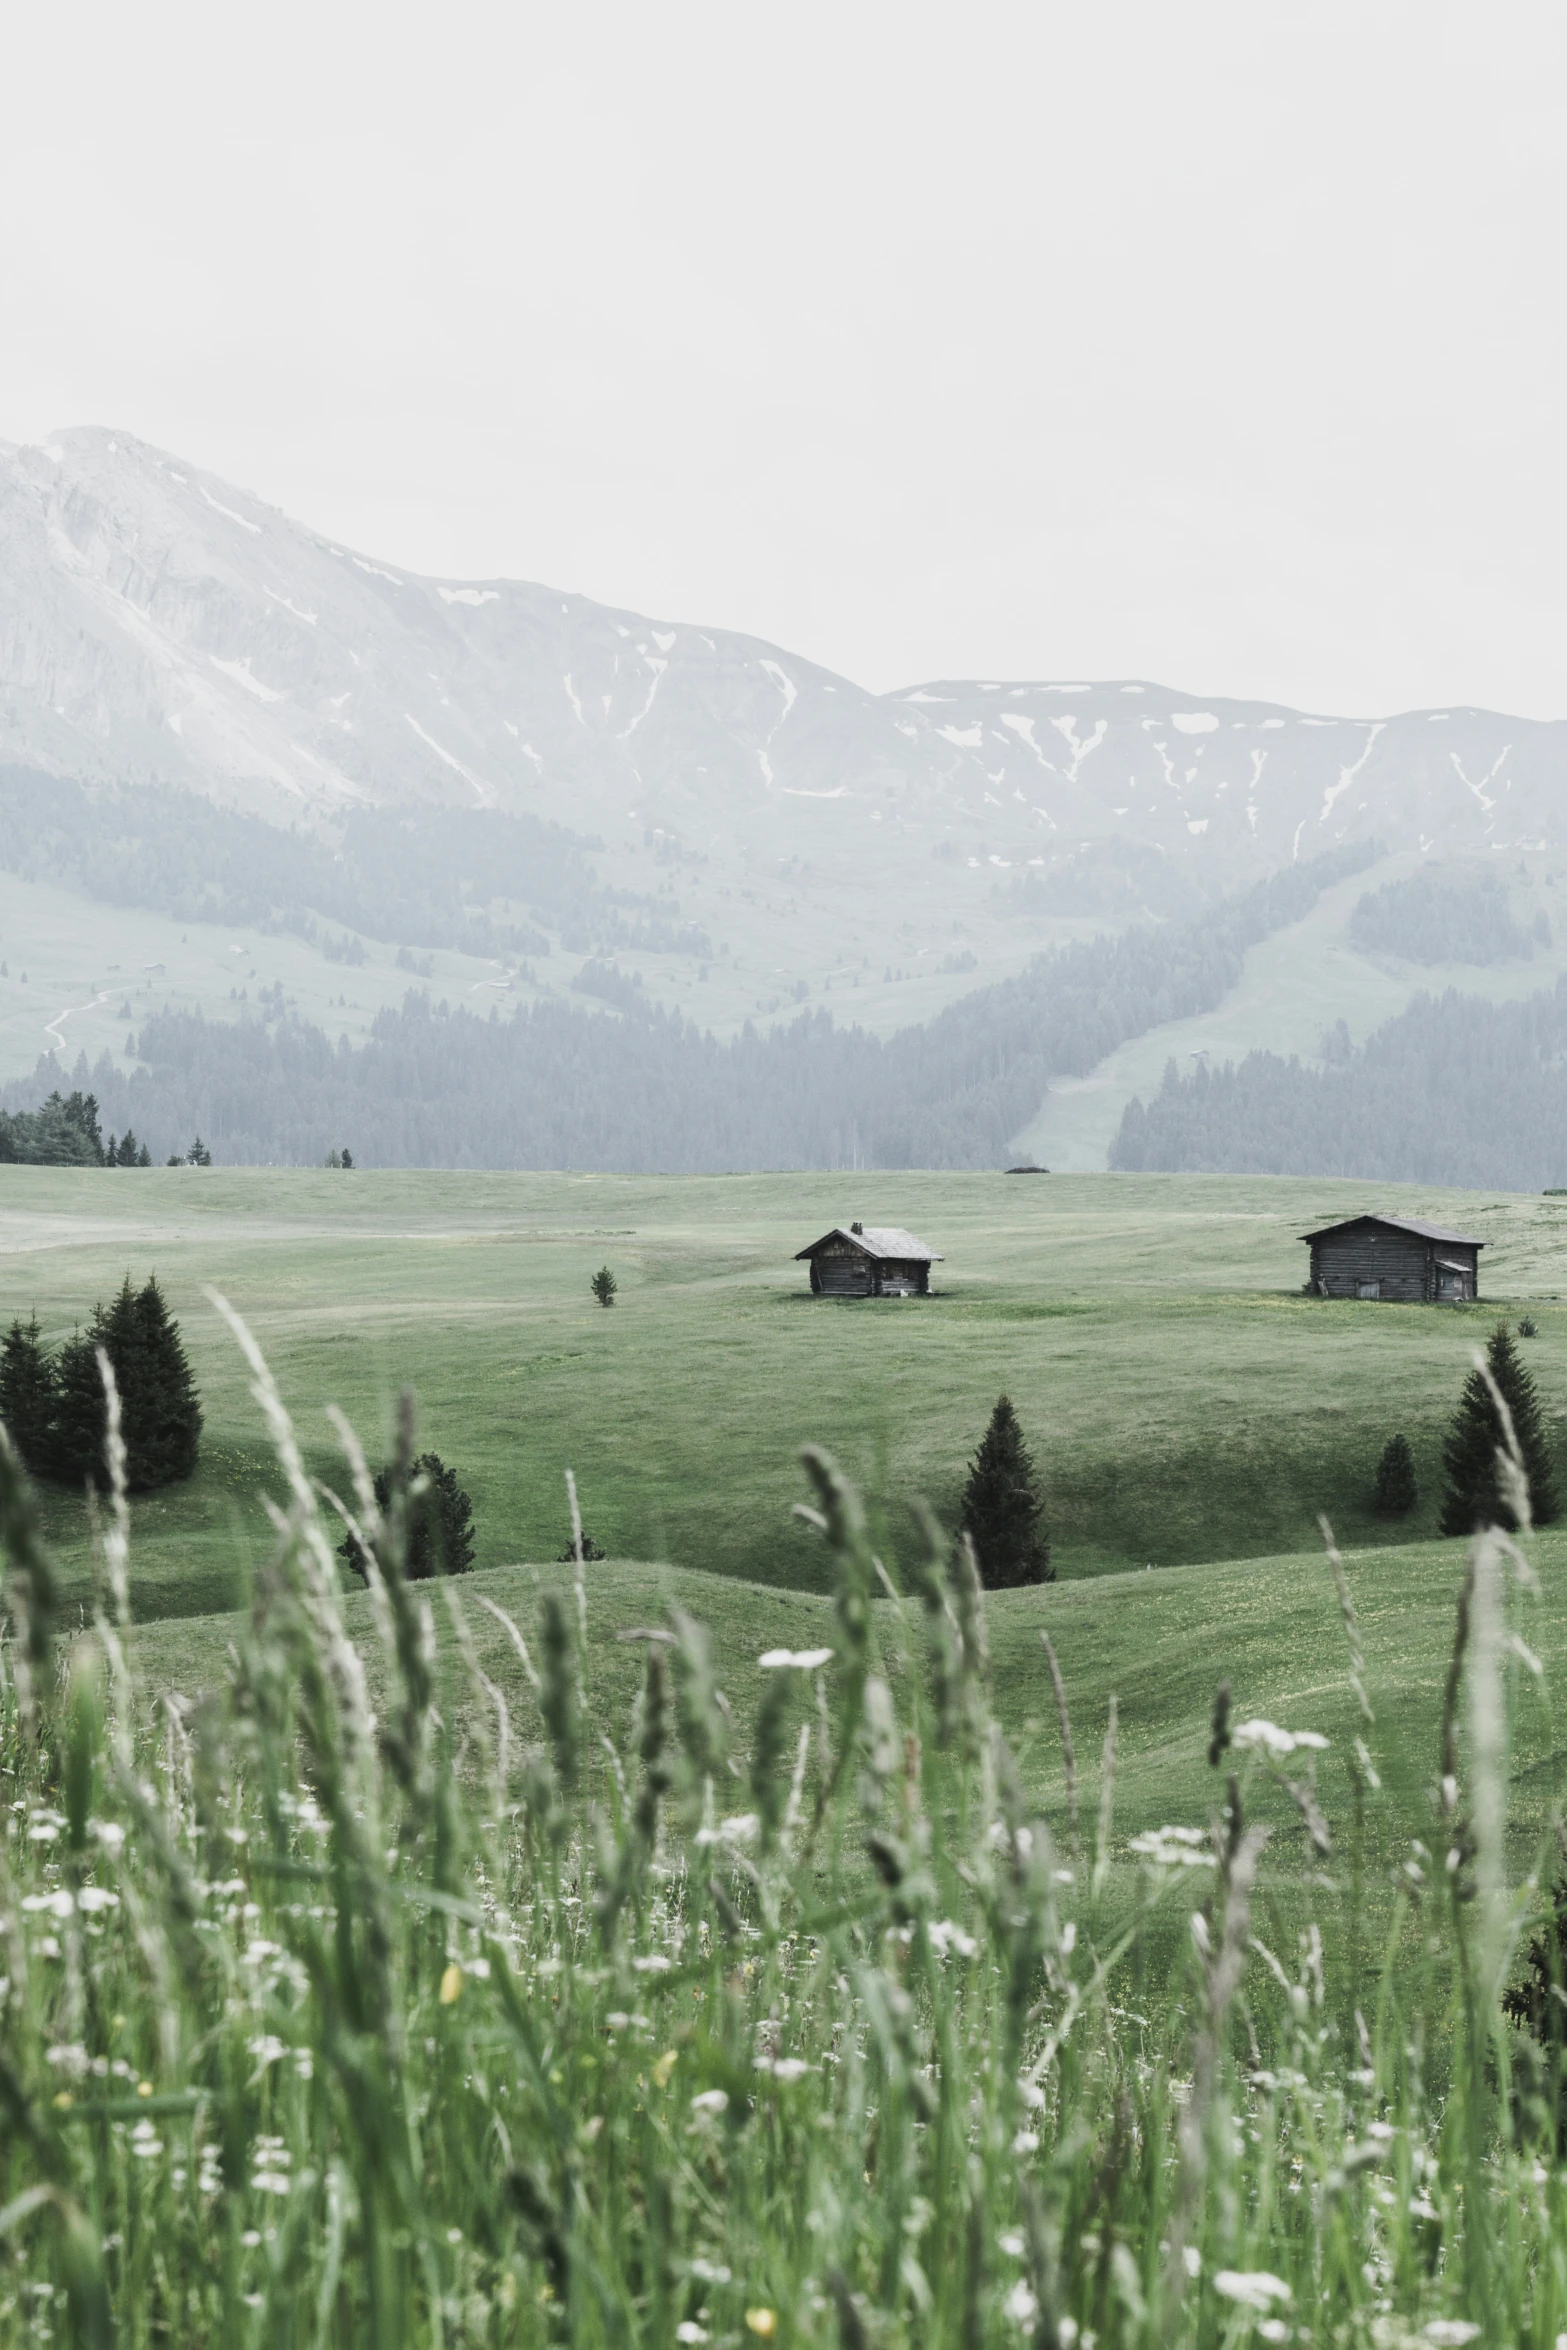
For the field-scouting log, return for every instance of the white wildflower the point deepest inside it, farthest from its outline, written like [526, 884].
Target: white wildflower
[1026, 2142]
[1173, 1848]
[1192, 2260]
[1020, 2304]
[791, 2068]
[1253, 2288]
[739, 1830]
[1010, 2242]
[794, 1660]
[708, 2272]
[69, 2058]
[710, 2101]
[654, 1964]
[1450, 2333]
[1267, 1738]
[91, 1898]
[945, 1936]
[689, 2331]
[56, 1905]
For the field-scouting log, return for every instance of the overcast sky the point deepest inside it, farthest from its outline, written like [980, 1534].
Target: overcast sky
[1216, 344]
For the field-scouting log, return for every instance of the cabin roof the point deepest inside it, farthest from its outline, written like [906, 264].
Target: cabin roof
[1421, 1231]
[877, 1240]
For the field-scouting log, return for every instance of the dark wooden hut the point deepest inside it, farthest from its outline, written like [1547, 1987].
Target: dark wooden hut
[1395, 1257]
[869, 1260]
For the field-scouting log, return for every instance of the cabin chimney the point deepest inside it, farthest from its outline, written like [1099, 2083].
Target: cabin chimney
[856, 1226]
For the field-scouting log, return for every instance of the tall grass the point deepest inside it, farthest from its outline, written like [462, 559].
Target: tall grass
[477, 2018]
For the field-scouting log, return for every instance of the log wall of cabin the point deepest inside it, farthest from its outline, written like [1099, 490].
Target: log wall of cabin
[1399, 1261]
[841, 1271]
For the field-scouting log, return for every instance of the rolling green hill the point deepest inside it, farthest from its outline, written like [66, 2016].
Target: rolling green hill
[1184, 1401]
[1159, 1644]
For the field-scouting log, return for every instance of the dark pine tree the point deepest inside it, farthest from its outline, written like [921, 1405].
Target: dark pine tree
[74, 1453]
[1002, 1508]
[1397, 1492]
[27, 1392]
[1473, 1497]
[160, 1408]
[440, 1521]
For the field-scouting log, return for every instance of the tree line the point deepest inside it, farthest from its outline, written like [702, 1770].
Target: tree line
[64, 1131]
[641, 1089]
[1454, 1090]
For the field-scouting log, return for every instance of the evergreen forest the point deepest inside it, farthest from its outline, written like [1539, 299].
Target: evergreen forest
[1431, 918]
[1455, 1090]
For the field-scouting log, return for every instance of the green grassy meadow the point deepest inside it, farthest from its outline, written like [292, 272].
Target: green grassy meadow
[415, 2005]
[1190, 1411]
[1184, 1402]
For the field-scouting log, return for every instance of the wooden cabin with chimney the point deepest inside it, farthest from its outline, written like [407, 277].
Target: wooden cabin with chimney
[1395, 1257]
[869, 1260]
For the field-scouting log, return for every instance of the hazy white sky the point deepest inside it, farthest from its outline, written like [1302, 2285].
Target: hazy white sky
[1222, 344]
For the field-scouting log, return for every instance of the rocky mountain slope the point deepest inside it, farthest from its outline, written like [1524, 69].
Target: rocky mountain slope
[158, 624]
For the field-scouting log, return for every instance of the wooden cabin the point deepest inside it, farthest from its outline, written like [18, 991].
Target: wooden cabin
[869, 1260]
[1395, 1257]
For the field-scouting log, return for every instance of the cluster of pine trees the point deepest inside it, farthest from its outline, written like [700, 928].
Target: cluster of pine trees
[643, 1090]
[427, 1515]
[1455, 1091]
[64, 1132]
[54, 1405]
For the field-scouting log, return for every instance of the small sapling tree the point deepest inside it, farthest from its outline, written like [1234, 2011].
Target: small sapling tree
[1002, 1509]
[1473, 1496]
[1397, 1491]
[590, 1549]
[604, 1285]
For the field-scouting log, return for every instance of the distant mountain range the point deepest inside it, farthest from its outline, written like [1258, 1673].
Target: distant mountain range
[244, 766]
[159, 625]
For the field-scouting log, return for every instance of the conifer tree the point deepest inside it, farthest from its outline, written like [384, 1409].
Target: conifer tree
[1397, 1491]
[27, 1392]
[162, 1412]
[1473, 1497]
[1002, 1508]
[74, 1452]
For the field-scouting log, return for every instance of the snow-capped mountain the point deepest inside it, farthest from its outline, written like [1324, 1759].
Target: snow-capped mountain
[158, 624]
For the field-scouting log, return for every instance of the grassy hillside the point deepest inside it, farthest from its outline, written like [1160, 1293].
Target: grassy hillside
[1184, 1401]
[1158, 1643]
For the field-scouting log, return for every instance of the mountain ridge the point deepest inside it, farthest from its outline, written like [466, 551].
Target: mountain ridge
[158, 624]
